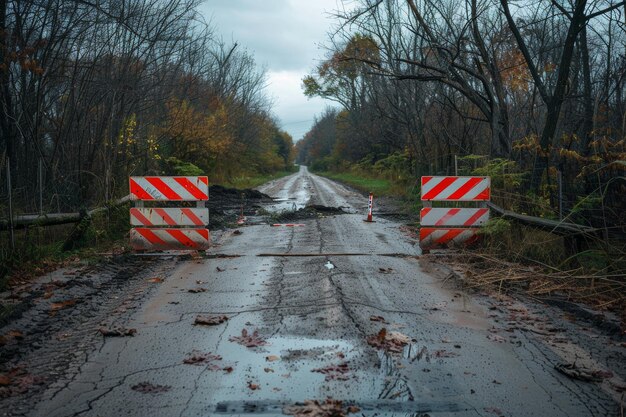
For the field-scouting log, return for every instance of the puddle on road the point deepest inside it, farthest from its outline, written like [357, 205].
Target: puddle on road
[283, 371]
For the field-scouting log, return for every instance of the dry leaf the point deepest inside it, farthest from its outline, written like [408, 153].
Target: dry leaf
[335, 372]
[210, 320]
[117, 332]
[249, 340]
[156, 280]
[148, 388]
[272, 358]
[314, 408]
[393, 342]
[197, 290]
[198, 358]
[61, 305]
[253, 387]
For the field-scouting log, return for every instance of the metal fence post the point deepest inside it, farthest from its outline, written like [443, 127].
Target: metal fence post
[12, 237]
[559, 179]
[40, 186]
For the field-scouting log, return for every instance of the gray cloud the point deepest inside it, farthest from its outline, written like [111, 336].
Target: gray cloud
[284, 37]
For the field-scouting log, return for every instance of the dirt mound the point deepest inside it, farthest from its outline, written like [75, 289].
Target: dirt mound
[309, 212]
[233, 197]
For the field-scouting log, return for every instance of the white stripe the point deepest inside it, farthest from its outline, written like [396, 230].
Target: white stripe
[454, 186]
[459, 219]
[431, 240]
[139, 242]
[175, 213]
[173, 184]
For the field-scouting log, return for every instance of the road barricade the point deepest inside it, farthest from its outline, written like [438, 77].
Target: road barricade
[169, 228]
[443, 226]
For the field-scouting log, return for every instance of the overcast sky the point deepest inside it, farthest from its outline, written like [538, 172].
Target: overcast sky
[285, 37]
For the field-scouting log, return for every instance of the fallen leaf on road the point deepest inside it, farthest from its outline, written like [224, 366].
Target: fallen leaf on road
[156, 280]
[249, 340]
[54, 307]
[228, 369]
[10, 336]
[444, 354]
[253, 387]
[210, 320]
[198, 358]
[583, 374]
[117, 331]
[335, 372]
[272, 358]
[197, 290]
[268, 370]
[496, 338]
[378, 318]
[17, 381]
[148, 388]
[237, 232]
[218, 269]
[389, 341]
[314, 408]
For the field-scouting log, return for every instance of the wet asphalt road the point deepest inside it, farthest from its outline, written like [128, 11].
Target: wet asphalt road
[314, 311]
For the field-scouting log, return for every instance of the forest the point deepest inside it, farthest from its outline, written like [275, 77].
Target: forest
[94, 91]
[530, 93]
[531, 88]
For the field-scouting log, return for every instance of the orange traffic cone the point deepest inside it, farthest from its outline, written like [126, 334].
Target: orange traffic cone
[369, 209]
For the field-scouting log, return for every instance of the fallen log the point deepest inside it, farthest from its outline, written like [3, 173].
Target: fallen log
[53, 219]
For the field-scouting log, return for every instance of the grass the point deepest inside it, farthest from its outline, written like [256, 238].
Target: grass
[255, 181]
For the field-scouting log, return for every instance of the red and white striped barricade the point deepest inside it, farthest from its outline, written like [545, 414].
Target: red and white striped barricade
[180, 228]
[442, 227]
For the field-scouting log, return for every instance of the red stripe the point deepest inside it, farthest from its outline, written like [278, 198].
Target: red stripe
[451, 234]
[465, 188]
[424, 212]
[449, 214]
[203, 232]
[194, 219]
[425, 180]
[479, 213]
[136, 190]
[193, 189]
[182, 238]
[163, 188]
[166, 217]
[443, 184]
[205, 180]
[136, 213]
[485, 195]
[425, 232]
[150, 236]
